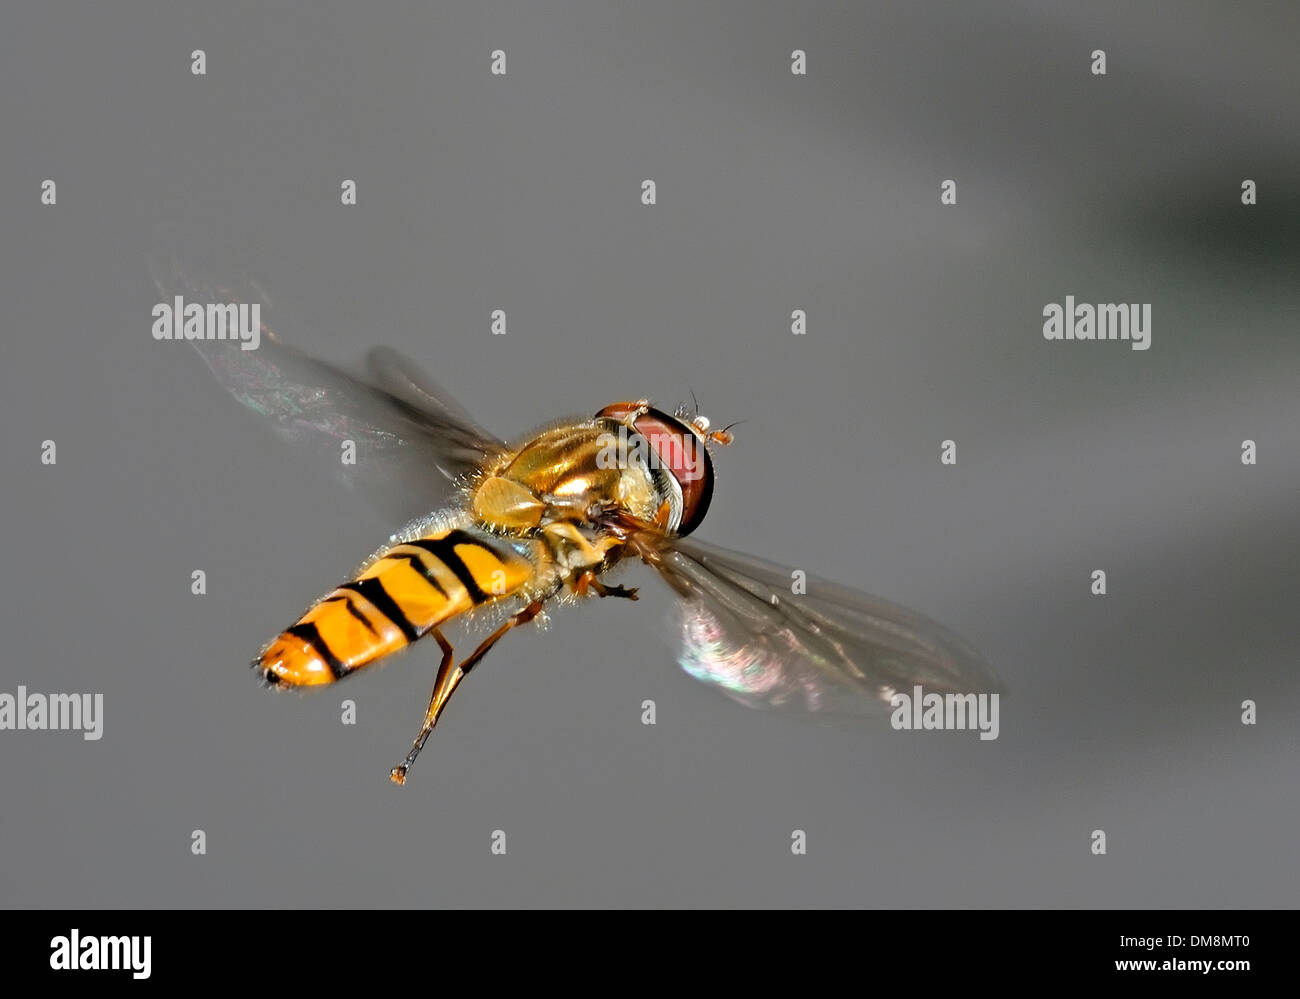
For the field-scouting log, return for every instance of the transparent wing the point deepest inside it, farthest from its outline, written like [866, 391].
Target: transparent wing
[831, 649]
[412, 440]
[462, 440]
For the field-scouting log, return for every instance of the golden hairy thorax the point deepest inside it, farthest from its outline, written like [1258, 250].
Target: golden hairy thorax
[557, 476]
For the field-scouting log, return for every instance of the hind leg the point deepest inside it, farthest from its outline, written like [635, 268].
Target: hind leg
[449, 677]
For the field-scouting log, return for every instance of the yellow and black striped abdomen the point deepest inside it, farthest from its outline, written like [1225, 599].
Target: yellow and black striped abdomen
[403, 593]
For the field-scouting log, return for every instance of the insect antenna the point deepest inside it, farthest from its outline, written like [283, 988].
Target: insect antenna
[724, 436]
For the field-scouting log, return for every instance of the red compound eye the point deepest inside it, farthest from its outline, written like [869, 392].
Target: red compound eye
[680, 450]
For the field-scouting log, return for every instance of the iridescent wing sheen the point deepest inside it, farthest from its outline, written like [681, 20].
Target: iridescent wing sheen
[830, 649]
[412, 440]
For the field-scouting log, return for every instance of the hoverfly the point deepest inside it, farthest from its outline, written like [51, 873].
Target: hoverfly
[541, 522]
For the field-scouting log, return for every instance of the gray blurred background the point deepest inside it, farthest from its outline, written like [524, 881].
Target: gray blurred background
[775, 192]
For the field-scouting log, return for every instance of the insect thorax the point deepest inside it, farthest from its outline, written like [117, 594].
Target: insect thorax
[561, 474]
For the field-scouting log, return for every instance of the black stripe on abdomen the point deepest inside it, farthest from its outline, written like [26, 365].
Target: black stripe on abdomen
[353, 610]
[309, 634]
[373, 590]
[420, 566]
[444, 548]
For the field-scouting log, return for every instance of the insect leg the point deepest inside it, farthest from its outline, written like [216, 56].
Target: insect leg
[587, 580]
[523, 617]
[449, 678]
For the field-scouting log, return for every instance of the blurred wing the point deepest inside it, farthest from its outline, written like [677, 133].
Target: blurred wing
[831, 649]
[412, 440]
[463, 440]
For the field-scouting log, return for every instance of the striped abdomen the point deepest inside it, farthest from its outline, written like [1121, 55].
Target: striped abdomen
[403, 593]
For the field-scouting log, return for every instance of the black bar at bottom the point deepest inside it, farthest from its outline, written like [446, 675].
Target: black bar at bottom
[613, 950]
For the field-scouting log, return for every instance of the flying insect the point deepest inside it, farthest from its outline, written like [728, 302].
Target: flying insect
[521, 527]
